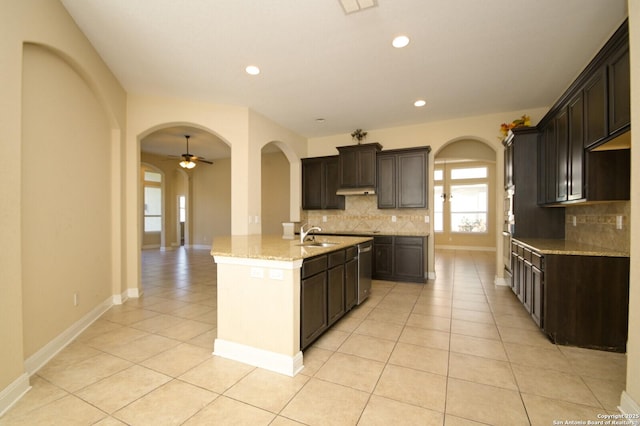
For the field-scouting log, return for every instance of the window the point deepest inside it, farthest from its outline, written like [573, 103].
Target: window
[469, 208]
[152, 202]
[182, 208]
[461, 199]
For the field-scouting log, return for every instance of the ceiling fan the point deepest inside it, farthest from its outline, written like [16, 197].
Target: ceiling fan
[189, 160]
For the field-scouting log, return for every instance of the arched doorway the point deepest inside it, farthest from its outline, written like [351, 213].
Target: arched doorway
[276, 194]
[196, 201]
[465, 196]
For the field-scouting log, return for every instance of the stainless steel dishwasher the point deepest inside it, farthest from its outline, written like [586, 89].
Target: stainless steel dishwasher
[364, 270]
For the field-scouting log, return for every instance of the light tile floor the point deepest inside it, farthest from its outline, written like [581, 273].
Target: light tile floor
[456, 351]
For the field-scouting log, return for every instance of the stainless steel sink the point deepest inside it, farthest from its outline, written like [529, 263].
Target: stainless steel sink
[317, 244]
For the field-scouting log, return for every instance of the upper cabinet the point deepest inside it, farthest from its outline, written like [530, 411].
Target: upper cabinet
[594, 111]
[320, 183]
[402, 178]
[358, 166]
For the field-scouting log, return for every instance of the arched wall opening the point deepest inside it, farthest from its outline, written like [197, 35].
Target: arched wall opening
[465, 202]
[206, 189]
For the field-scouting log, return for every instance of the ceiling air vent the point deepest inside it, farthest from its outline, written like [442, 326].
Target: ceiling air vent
[351, 6]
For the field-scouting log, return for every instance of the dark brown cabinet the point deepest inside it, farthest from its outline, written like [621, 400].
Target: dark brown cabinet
[576, 300]
[399, 258]
[335, 286]
[619, 90]
[351, 278]
[522, 145]
[328, 290]
[402, 178]
[595, 108]
[313, 300]
[357, 165]
[593, 111]
[320, 181]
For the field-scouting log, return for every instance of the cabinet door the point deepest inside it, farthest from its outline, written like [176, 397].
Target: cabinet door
[331, 180]
[549, 167]
[412, 180]
[595, 108]
[348, 168]
[408, 259]
[386, 185]
[515, 274]
[351, 283]
[313, 308]
[335, 293]
[619, 91]
[366, 166]
[383, 260]
[576, 148]
[527, 285]
[562, 152]
[312, 184]
[537, 292]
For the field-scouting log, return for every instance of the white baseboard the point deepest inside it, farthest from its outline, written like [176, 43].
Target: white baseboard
[502, 281]
[628, 405]
[430, 275]
[134, 293]
[36, 361]
[272, 361]
[12, 393]
[200, 246]
[119, 299]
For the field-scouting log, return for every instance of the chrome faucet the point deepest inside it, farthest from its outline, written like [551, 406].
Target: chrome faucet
[304, 234]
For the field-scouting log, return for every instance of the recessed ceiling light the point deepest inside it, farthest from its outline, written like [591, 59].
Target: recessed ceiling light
[400, 41]
[320, 120]
[252, 70]
[420, 103]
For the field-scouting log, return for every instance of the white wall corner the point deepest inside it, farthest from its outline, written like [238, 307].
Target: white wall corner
[134, 293]
[119, 299]
[36, 361]
[12, 393]
[272, 361]
[629, 406]
[501, 281]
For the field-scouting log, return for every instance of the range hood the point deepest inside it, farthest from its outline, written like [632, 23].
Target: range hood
[369, 190]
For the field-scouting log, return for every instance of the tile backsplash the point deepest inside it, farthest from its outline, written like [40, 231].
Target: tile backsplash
[596, 224]
[361, 214]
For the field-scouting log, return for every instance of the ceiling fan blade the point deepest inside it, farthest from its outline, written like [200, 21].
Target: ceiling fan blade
[201, 160]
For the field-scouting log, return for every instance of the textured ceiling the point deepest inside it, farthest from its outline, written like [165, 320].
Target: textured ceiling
[466, 57]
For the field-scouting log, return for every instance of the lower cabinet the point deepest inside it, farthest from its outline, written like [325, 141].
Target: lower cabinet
[399, 258]
[328, 290]
[575, 300]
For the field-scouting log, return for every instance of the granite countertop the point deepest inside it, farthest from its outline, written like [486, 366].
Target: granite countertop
[553, 246]
[275, 247]
[369, 233]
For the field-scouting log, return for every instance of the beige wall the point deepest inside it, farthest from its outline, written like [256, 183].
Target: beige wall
[55, 245]
[275, 192]
[633, 345]
[211, 202]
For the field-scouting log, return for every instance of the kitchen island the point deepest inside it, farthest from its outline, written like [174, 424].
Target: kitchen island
[259, 297]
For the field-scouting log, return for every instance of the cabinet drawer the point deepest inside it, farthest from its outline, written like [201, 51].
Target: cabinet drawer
[314, 266]
[514, 247]
[536, 260]
[383, 240]
[351, 252]
[409, 241]
[526, 254]
[520, 251]
[336, 258]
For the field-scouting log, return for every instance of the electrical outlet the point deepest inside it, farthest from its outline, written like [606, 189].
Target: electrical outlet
[574, 220]
[394, 219]
[256, 273]
[324, 218]
[75, 299]
[426, 219]
[619, 222]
